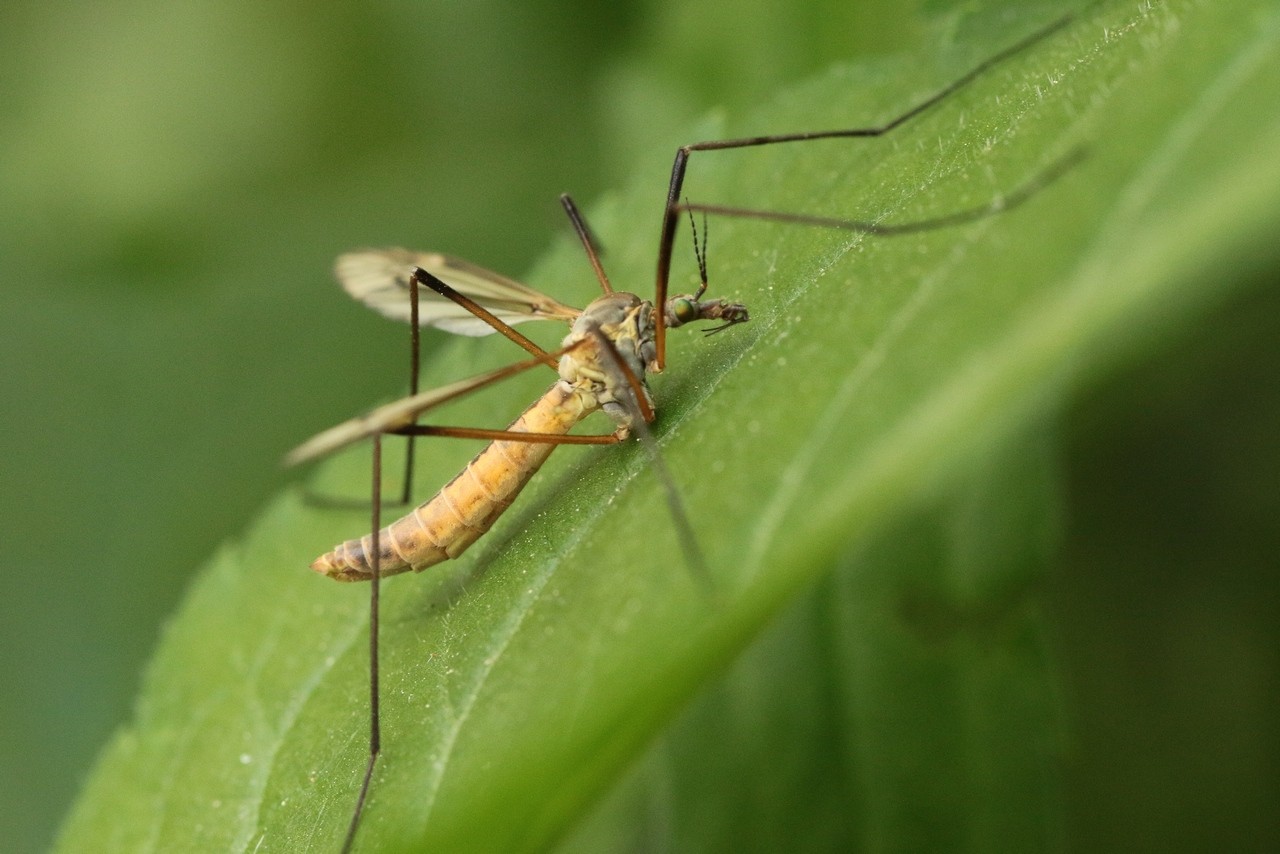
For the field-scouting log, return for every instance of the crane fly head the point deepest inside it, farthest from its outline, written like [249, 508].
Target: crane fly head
[686, 308]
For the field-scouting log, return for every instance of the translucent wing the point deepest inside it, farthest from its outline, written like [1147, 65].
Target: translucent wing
[380, 278]
[399, 413]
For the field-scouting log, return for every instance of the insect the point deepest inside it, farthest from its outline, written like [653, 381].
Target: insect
[601, 365]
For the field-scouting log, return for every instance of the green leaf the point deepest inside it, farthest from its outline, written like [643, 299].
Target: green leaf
[885, 412]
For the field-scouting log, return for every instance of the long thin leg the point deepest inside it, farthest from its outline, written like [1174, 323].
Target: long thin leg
[423, 277]
[401, 413]
[375, 522]
[415, 362]
[1000, 205]
[375, 722]
[508, 435]
[642, 415]
[671, 212]
[588, 240]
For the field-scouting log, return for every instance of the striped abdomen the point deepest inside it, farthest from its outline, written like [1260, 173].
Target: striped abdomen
[444, 526]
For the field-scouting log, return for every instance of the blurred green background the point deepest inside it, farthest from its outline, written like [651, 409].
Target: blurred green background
[176, 179]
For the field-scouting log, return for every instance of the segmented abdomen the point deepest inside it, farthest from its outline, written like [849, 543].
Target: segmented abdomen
[445, 525]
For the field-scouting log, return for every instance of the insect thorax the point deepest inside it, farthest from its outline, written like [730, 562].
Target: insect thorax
[627, 323]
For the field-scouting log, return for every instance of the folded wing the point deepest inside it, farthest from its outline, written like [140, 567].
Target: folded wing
[380, 279]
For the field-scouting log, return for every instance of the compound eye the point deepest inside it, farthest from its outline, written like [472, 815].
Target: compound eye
[684, 310]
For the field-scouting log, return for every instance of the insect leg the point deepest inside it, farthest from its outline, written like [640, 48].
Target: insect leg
[507, 435]
[422, 277]
[642, 415]
[415, 362]
[1002, 204]
[588, 239]
[406, 492]
[375, 721]
[392, 417]
[391, 422]
[671, 212]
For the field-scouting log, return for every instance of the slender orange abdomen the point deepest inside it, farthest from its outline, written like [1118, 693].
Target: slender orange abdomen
[445, 525]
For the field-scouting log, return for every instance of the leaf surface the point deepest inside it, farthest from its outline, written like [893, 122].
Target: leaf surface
[876, 374]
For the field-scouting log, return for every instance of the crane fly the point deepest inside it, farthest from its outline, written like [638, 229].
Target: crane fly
[612, 344]
[601, 365]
